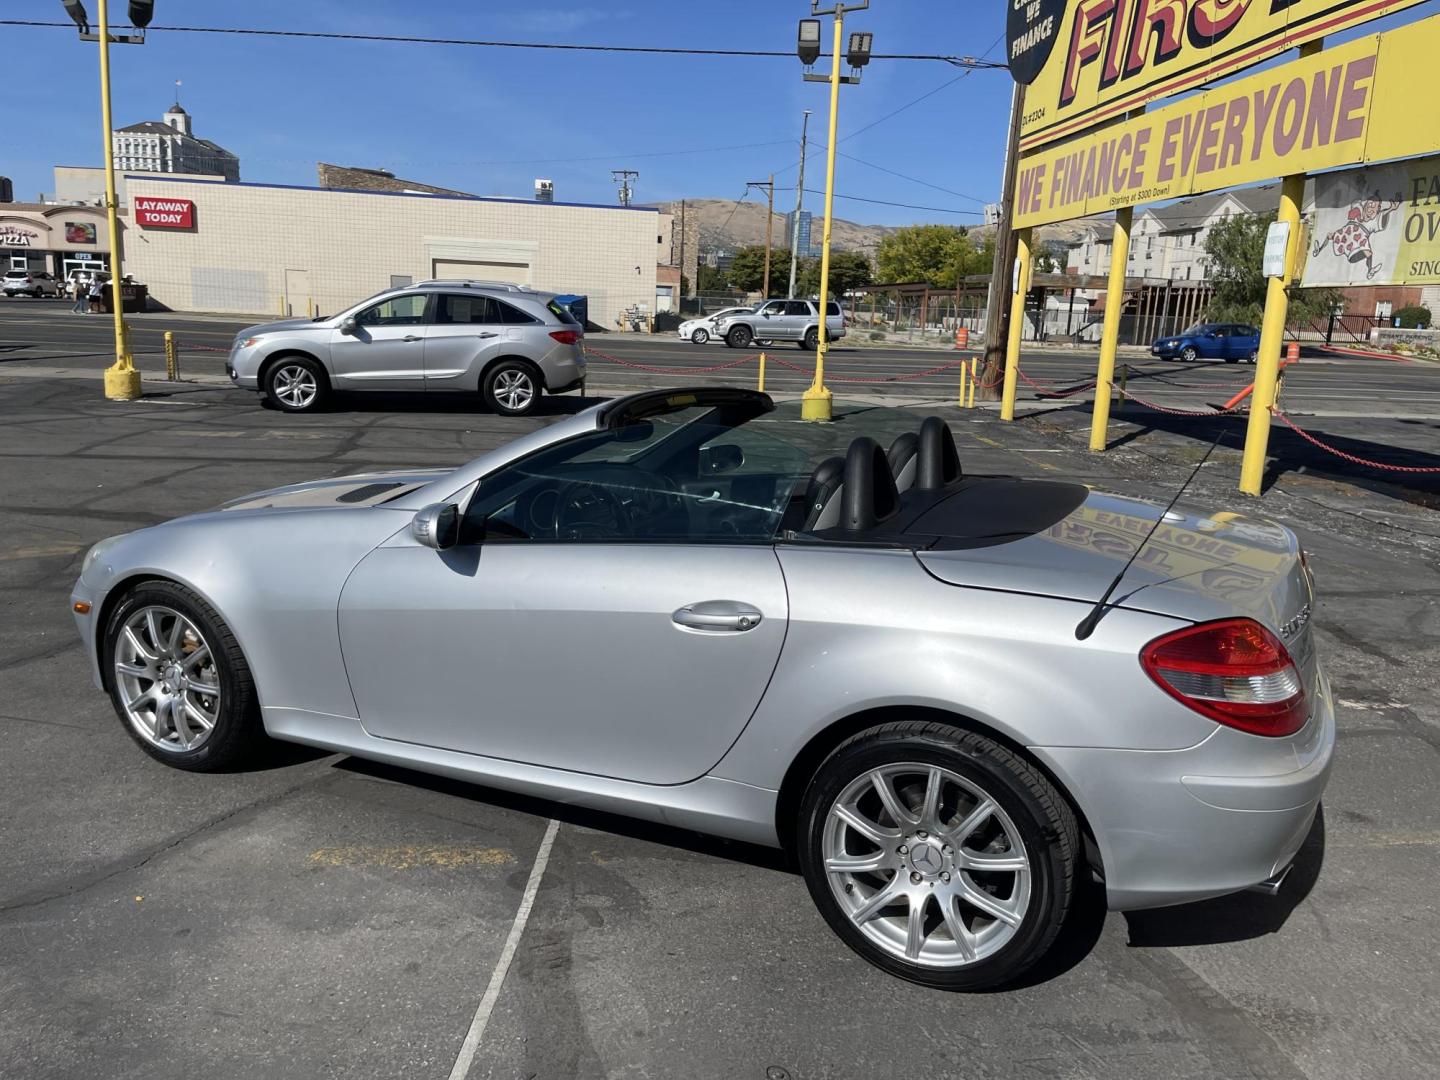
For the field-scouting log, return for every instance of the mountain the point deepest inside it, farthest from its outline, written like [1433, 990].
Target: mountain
[726, 225]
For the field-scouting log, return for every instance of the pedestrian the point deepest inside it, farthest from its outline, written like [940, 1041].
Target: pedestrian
[97, 296]
[79, 288]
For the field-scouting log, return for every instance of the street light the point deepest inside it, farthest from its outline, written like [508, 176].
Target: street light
[122, 380]
[817, 402]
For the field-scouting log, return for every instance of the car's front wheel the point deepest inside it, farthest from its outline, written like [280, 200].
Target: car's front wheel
[938, 855]
[700, 336]
[739, 337]
[179, 681]
[1189, 355]
[512, 388]
[296, 384]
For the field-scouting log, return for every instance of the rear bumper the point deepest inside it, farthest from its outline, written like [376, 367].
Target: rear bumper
[1178, 826]
[563, 371]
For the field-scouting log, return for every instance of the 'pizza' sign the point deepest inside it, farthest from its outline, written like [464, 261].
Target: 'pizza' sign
[157, 213]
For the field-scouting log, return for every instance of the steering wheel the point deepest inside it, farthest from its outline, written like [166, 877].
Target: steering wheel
[585, 511]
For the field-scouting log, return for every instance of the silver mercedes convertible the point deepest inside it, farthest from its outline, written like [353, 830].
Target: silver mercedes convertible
[954, 699]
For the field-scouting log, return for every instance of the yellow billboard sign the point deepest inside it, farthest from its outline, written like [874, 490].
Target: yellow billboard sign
[1110, 57]
[1346, 105]
[1377, 226]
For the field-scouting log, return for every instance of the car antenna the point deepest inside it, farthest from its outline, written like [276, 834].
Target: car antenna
[1088, 624]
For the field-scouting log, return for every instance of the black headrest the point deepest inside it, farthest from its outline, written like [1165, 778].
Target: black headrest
[828, 476]
[939, 460]
[869, 496]
[901, 451]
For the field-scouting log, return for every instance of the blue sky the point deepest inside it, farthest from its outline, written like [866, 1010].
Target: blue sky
[448, 115]
[490, 121]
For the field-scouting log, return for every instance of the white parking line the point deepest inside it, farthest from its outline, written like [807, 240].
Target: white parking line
[497, 978]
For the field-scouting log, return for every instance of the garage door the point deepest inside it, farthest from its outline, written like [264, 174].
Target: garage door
[515, 273]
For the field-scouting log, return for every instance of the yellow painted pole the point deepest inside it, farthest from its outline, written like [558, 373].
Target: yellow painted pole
[172, 361]
[761, 387]
[817, 402]
[974, 378]
[122, 381]
[1017, 324]
[1272, 332]
[1110, 333]
[282, 305]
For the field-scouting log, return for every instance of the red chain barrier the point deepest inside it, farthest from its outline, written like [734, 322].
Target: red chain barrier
[1071, 392]
[671, 371]
[199, 348]
[1177, 412]
[871, 378]
[1349, 457]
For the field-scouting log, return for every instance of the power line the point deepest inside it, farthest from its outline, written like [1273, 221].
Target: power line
[887, 202]
[912, 179]
[967, 62]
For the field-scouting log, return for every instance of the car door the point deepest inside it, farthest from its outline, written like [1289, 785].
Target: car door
[770, 322]
[799, 317]
[386, 349]
[553, 636]
[464, 333]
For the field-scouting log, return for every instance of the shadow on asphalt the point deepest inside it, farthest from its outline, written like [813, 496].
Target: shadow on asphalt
[443, 403]
[1233, 918]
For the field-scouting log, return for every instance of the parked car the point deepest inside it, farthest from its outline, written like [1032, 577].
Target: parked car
[782, 320]
[36, 283]
[507, 343]
[1231, 342]
[702, 329]
[676, 606]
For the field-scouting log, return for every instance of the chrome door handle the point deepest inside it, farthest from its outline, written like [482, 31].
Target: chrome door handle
[485, 335]
[412, 337]
[718, 616]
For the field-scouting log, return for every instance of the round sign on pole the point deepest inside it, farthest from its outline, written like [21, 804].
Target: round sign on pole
[1030, 32]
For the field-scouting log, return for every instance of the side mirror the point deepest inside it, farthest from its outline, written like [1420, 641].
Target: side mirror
[347, 325]
[437, 526]
[720, 459]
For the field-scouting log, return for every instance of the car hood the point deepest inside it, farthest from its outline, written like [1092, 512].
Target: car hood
[362, 489]
[282, 325]
[1196, 567]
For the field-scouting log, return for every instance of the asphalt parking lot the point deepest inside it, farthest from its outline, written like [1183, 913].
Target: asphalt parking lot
[324, 916]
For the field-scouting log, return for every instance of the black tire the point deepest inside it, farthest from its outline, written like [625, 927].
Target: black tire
[812, 340]
[238, 734]
[1251, 358]
[1039, 812]
[700, 336]
[512, 388]
[739, 337]
[297, 384]
[1189, 355]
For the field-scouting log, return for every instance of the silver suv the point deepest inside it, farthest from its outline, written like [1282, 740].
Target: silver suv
[36, 283]
[509, 343]
[782, 320]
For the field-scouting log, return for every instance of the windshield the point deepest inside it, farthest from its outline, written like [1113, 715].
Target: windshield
[1199, 328]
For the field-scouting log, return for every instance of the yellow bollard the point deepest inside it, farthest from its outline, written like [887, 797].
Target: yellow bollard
[172, 358]
[761, 387]
[282, 306]
[974, 380]
[964, 381]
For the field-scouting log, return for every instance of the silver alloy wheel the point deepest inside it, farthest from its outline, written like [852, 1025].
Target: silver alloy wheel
[168, 682]
[514, 389]
[700, 336]
[927, 865]
[295, 385]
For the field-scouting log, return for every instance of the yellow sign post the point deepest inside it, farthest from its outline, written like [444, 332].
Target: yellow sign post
[1020, 289]
[122, 381]
[1110, 331]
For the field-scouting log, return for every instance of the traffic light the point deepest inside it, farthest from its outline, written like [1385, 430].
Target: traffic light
[141, 12]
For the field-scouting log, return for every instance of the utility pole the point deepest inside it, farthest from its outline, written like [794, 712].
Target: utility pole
[997, 305]
[623, 178]
[682, 254]
[769, 186]
[799, 206]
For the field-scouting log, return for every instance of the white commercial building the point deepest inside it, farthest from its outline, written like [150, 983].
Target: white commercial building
[171, 147]
[255, 249]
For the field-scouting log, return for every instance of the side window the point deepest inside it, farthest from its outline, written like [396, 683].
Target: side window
[511, 315]
[797, 307]
[407, 310]
[832, 308]
[451, 309]
[776, 307]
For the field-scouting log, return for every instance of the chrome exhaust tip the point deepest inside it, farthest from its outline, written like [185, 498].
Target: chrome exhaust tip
[1271, 885]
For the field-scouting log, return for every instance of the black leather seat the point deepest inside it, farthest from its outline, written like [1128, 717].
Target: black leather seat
[822, 495]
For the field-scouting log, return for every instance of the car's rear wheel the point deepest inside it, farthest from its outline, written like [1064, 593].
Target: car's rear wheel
[938, 855]
[512, 388]
[700, 336]
[1189, 355]
[739, 337]
[296, 384]
[1251, 358]
[812, 340]
[179, 681]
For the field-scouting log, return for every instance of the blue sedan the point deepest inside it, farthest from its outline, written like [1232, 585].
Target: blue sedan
[1231, 342]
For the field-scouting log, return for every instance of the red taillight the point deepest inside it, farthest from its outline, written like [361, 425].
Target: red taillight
[1234, 671]
[566, 337]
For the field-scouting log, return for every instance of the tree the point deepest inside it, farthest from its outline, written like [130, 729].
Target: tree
[848, 270]
[710, 281]
[1050, 257]
[938, 254]
[1235, 253]
[747, 272]
[1413, 317]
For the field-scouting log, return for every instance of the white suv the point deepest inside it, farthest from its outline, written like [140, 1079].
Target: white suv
[782, 320]
[34, 283]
